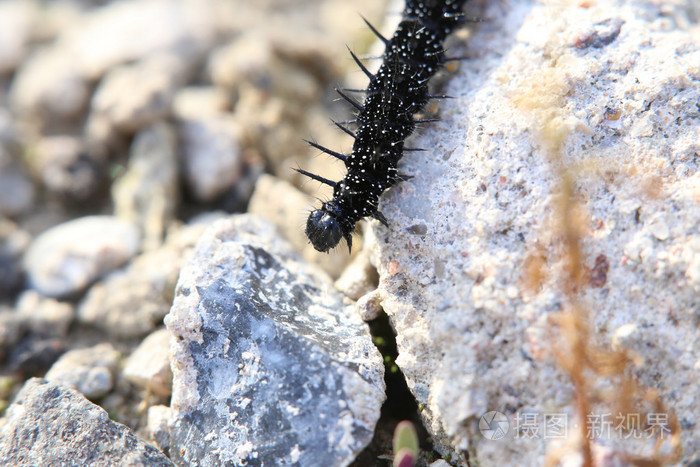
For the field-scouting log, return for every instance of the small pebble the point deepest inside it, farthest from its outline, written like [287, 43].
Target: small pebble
[16, 191]
[90, 371]
[134, 96]
[212, 156]
[369, 306]
[157, 426]
[45, 317]
[67, 168]
[67, 258]
[149, 366]
[659, 228]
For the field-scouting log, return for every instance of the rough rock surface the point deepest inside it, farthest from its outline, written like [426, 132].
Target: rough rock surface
[473, 269]
[49, 424]
[269, 366]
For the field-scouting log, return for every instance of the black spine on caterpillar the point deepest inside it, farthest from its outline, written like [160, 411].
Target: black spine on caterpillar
[397, 92]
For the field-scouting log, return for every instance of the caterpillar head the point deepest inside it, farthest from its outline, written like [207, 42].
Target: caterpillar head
[325, 229]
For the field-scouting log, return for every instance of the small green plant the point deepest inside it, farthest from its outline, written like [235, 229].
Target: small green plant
[405, 444]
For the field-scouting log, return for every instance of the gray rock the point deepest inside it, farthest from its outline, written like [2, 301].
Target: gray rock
[133, 302]
[474, 270]
[148, 367]
[8, 129]
[211, 153]
[269, 366]
[90, 370]
[48, 424]
[16, 188]
[148, 194]
[65, 259]
[13, 243]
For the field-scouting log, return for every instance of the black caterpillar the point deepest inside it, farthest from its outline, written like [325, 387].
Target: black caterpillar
[397, 92]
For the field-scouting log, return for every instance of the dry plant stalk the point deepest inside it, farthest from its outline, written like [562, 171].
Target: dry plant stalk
[577, 354]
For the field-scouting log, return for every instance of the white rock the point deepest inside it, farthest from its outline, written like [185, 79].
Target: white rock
[200, 102]
[16, 18]
[529, 107]
[149, 365]
[157, 425]
[90, 371]
[68, 257]
[212, 156]
[359, 278]
[131, 97]
[50, 83]
[45, 317]
[659, 228]
[369, 306]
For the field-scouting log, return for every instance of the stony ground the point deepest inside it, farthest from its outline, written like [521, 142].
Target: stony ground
[543, 261]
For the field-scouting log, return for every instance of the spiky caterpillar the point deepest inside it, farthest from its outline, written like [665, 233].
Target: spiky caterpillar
[397, 92]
